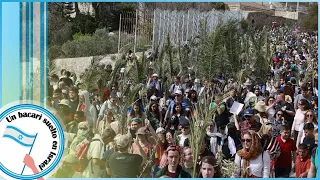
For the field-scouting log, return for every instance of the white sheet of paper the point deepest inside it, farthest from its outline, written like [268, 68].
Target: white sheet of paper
[236, 107]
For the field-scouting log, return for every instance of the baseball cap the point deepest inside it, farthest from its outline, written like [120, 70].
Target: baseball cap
[179, 92]
[122, 141]
[248, 112]
[183, 121]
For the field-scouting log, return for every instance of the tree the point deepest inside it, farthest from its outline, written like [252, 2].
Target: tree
[310, 22]
[59, 26]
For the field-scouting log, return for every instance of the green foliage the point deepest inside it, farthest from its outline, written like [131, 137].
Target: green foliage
[59, 27]
[92, 76]
[80, 36]
[84, 45]
[220, 6]
[244, 24]
[310, 22]
[84, 24]
[55, 52]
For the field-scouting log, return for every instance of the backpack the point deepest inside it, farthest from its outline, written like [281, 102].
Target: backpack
[225, 149]
[81, 153]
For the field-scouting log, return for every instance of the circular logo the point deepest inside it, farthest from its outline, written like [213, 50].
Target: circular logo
[31, 141]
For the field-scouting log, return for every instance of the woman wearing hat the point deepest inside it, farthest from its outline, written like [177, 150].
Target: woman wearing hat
[261, 115]
[148, 145]
[160, 148]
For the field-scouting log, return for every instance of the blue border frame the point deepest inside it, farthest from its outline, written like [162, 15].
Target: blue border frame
[61, 139]
[21, 51]
[31, 52]
[42, 53]
[27, 50]
[1, 53]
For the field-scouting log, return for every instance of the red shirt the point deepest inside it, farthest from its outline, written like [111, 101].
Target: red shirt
[81, 107]
[302, 166]
[285, 159]
[172, 175]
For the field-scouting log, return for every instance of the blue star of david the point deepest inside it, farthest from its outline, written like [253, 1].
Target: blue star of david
[20, 137]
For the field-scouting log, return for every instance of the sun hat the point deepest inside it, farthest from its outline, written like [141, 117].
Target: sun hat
[260, 106]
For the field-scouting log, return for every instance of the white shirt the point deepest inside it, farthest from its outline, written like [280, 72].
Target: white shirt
[232, 146]
[95, 151]
[257, 167]
[301, 129]
[182, 138]
[298, 119]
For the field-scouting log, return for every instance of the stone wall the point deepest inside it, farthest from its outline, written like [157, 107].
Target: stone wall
[261, 19]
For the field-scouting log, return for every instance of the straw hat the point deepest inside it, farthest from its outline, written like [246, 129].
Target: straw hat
[260, 106]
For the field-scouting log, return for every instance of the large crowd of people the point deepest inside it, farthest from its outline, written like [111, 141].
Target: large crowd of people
[274, 135]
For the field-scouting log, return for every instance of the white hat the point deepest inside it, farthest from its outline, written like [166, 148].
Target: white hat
[153, 97]
[197, 80]
[178, 92]
[65, 102]
[155, 75]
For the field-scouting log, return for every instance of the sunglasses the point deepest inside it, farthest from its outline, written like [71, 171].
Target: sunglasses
[247, 116]
[246, 140]
[309, 115]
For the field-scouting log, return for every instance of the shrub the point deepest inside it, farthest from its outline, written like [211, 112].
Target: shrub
[90, 45]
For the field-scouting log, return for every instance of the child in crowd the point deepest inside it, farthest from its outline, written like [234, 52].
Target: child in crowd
[303, 161]
[288, 149]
